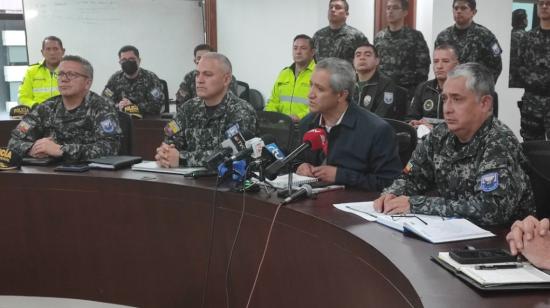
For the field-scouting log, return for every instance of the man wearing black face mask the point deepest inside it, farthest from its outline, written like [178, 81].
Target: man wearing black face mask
[134, 85]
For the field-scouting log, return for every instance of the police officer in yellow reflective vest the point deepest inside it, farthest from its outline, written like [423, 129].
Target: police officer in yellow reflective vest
[291, 89]
[40, 81]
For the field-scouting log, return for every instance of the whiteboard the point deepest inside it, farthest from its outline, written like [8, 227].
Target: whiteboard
[164, 31]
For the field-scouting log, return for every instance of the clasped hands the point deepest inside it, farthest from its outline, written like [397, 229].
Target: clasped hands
[167, 156]
[45, 147]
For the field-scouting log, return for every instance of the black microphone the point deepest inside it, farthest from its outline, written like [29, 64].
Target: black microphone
[214, 160]
[304, 191]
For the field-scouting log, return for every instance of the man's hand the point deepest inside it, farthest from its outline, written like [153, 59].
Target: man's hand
[416, 123]
[305, 169]
[167, 156]
[525, 230]
[123, 103]
[45, 147]
[325, 173]
[537, 250]
[391, 204]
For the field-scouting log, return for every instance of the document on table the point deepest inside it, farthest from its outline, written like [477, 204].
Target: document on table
[151, 166]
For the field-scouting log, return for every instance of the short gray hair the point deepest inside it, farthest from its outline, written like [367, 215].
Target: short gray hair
[86, 65]
[342, 75]
[479, 79]
[224, 61]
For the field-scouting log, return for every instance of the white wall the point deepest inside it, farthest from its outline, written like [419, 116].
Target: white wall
[257, 35]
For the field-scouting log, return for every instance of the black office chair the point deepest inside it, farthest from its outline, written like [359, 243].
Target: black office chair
[125, 122]
[538, 155]
[257, 100]
[401, 103]
[166, 95]
[243, 90]
[278, 125]
[406, 139]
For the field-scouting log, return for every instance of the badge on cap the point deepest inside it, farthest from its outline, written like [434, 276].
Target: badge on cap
[9, 160]
[367, 100]
[428, 105]
[132, 110]
[489, 182]
[388, 98]
[108, 126]
[19, 111]
[171, 128]
[107, 92]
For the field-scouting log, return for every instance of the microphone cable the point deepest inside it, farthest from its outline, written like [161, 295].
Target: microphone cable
[234, 244]
[219, 180]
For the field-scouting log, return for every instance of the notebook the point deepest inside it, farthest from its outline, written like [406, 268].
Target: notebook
[114, 162]
[524, 277]
[434, 229]
[151, 166]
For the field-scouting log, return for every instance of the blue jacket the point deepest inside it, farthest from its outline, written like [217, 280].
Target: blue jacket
[363, 147]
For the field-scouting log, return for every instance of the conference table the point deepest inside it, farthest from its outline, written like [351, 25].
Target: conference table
[158, 240]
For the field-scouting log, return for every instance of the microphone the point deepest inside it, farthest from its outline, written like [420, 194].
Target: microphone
[315, 139]
[214, 160]
[304, 191]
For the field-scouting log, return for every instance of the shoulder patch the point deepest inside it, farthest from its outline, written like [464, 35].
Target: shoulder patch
[171, 128]
[388, 98]
[156, 93]
[496, 49]
[408, 168]
[428, 105]
[23, 127]
[108, 126]
[489, 182]
[367, 100]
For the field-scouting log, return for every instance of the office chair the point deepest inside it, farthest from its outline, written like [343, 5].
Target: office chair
[166, 95]
[401, 103]
[538, 155]
[125, 122]
[406, 139]
[257, 100]
[278, 125]
[243, 90]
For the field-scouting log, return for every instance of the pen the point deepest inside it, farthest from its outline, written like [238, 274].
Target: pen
[364, 212]
[497, 267]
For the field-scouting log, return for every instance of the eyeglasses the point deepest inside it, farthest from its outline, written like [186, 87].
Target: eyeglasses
[543, 3]
[70, 75]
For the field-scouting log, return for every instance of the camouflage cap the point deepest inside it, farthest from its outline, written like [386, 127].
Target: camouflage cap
[9, 160]
[19, 111]
[133, 110]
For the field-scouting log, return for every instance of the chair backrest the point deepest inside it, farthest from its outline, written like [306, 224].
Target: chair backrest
[401, 102]
[538, 155]
[125, 122]
[257, 100]
[243, 90]
[406, 139]
[278, 125]
[166, 95]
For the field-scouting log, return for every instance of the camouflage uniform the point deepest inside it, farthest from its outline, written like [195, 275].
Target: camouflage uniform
[515, 39]
[188, 91]
[197, 135]
[534, 73]
[426, 103]
[145, 91]
[474, 44]
[89, 131]
[404, 56]
[484, 180]
[340, 43]
[379, 95]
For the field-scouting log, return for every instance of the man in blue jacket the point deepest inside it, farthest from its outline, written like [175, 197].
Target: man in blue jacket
[362, 150]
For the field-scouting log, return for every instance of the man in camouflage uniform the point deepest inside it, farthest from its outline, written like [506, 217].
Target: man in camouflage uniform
[519, 22]
[77, 125]
[375, 91]
[404, 54]
[426, 107]
[200, 124]
[534, 73]
[473, 162]
[337, 39]
[134, 85]
[474, 42]
[187, 89]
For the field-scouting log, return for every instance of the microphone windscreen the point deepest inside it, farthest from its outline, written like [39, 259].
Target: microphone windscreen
[317, 139]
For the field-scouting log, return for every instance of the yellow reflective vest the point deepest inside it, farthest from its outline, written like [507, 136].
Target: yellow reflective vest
[289, 95]
[38, 85]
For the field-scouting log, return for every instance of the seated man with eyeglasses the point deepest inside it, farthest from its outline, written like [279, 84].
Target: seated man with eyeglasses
[470, 166]
[76, 126]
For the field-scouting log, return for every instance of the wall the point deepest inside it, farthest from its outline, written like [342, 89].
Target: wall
[257, 35]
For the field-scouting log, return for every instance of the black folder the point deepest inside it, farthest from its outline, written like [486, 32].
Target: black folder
[114, 162]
